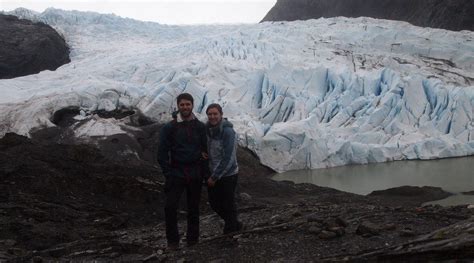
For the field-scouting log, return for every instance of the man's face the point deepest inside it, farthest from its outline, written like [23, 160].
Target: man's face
[185, 107]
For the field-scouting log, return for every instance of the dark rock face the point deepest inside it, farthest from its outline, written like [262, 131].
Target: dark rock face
[446, 14]
[28, 48]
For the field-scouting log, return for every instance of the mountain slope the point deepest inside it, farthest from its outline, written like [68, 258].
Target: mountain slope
[446, 14]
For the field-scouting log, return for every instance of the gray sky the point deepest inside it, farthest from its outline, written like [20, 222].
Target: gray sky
[162, 11]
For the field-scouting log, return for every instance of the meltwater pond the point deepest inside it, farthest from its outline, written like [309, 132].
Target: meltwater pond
[455, 175]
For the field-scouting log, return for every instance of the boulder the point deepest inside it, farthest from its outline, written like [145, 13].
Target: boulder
[412, 193]
[28, 47]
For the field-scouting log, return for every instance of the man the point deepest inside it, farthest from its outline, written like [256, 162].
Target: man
[182, 145]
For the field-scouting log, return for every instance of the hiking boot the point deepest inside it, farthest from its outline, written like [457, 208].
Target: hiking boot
[191, 243]
[238, 227]
[173, 247]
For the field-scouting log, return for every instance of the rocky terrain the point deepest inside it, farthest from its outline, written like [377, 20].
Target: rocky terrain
[63, 200]
[28, 48]
[447, 14]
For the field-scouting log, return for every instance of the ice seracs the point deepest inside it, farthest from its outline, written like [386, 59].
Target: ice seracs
[376, 118]
[303, 94]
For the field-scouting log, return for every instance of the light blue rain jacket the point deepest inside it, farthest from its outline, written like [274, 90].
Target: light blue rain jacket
[222, 149]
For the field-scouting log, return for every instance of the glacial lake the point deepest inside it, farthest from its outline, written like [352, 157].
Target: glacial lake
[454, 175]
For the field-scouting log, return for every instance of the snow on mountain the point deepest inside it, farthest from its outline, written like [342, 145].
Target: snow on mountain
[303, 94]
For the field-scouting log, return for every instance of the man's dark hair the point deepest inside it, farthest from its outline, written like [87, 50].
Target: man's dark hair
[184, 96]
[214, 105]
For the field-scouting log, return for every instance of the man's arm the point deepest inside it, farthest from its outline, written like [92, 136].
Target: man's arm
[203, 137]
[164, 150]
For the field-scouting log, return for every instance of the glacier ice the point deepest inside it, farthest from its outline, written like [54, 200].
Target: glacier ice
[302, 95]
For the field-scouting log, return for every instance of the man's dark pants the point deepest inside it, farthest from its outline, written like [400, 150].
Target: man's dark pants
[174, 187]
[222, 201]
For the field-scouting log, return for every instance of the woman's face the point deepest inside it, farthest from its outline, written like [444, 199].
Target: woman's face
[214, 116]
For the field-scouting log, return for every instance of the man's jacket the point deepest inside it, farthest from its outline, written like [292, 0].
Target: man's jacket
[181, 146]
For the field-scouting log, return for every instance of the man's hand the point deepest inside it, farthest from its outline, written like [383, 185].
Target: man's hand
[204, 155]
[210, 182]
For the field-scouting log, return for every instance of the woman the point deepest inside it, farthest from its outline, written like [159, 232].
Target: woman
[222, 147]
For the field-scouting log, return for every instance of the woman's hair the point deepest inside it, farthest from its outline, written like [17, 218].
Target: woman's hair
[214, 105]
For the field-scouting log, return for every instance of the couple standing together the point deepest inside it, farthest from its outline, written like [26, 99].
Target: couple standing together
[184, 143]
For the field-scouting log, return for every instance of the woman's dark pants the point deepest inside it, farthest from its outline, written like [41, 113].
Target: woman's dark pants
[222, 201]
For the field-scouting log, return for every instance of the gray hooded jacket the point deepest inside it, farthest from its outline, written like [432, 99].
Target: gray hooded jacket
[222, 149]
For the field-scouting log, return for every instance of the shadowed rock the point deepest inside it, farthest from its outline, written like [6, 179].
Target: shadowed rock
[425, 193]
[28, 48]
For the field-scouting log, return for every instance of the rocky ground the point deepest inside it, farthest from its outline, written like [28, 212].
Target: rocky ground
[64, 201]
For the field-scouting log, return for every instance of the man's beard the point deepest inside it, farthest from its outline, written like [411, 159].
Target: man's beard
[185, 114]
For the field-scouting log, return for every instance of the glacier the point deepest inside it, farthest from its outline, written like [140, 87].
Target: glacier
[302, 95]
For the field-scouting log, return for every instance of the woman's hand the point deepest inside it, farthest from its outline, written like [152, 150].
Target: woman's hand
[204, 155]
